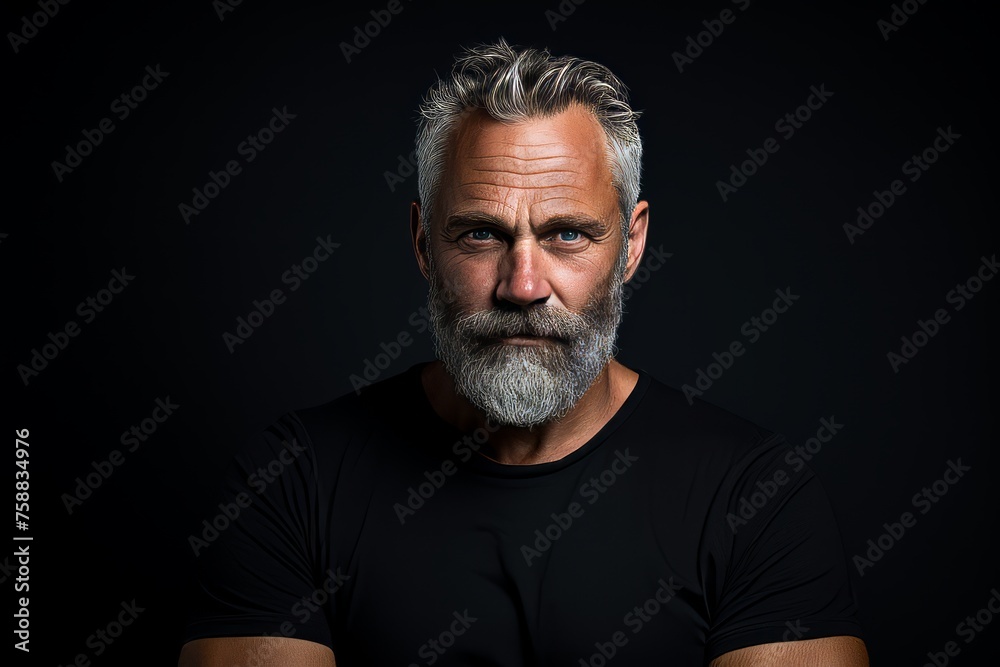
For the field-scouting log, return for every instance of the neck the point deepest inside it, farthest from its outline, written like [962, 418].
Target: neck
[515, 445]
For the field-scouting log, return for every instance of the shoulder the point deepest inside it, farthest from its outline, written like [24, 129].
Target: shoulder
[697, 433]
[319, 436]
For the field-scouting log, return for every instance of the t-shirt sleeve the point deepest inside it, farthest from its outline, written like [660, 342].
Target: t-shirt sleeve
[257, 572]
[783, 573]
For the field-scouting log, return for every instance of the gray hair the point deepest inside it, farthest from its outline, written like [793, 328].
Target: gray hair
[512, 84]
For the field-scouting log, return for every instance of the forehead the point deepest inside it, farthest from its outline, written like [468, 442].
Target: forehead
[542, 163]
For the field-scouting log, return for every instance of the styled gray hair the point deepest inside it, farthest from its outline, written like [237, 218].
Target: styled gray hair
[512, 84]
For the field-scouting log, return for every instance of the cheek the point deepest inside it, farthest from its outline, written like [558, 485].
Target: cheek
[578, 283]
[465, 283]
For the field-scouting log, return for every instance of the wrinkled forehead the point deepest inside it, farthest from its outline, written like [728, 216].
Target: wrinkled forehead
[561, 155]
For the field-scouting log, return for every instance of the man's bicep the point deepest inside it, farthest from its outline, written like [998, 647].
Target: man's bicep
[260, 651]
[841, 651]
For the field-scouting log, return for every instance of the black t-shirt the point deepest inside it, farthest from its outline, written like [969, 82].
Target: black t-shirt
[677, 533]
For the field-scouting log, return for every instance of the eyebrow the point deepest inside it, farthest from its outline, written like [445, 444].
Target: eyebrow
[585, 223]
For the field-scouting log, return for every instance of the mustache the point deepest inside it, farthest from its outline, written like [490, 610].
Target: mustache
[539, 321]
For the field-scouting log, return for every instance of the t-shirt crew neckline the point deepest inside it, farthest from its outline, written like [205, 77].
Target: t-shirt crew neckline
[491, 467]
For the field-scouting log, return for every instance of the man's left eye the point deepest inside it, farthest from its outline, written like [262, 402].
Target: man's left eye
[569, 235]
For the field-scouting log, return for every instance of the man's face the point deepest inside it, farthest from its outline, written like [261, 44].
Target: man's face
[526, 262]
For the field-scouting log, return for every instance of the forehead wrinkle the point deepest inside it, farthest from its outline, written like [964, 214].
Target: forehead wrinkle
[528, 173]
[521, 148]
[523, 159]
[544, 200]
[522, 143]
[502, 172]
[503, 204]
[522, 187]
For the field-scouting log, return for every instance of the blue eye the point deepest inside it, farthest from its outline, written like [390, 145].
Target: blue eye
[573, 235]
[480, 234]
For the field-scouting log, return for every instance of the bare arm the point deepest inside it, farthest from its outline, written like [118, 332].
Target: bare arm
[262, 651]
[844, 651]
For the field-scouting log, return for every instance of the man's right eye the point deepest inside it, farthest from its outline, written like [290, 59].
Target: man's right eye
[480, 234]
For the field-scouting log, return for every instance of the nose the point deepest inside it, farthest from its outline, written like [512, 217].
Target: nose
[523, 278]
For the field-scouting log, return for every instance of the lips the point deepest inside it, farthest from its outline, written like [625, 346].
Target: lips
[521, 339]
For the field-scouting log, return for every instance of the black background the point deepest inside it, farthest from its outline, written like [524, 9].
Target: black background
[325, 175]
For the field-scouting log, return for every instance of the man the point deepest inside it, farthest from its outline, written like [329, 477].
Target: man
[526, 499]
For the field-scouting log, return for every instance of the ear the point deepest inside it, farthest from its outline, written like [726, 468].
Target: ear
[638, 225]
[419, 238]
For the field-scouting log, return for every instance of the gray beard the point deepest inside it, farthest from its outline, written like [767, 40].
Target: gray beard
[519, 385]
